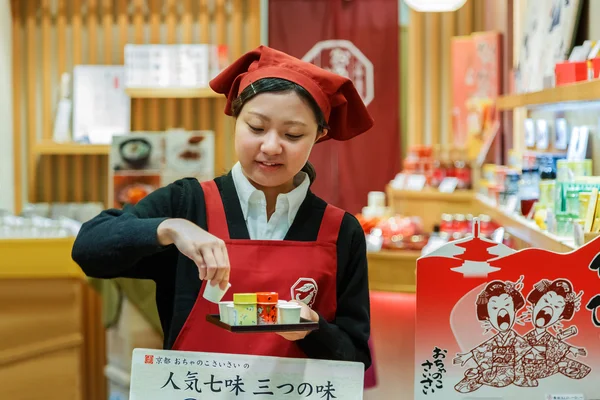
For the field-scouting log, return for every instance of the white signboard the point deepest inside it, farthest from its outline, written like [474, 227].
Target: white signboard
[178, 375]
[101, 108]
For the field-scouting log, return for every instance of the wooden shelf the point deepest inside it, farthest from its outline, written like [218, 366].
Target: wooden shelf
[578, 92]
[171, 93]
[458, 196]
[393, 271]
[430, 204]
[53, 148]
[525, 229]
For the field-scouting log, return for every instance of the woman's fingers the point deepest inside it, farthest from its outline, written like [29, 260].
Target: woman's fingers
[217, 264]
[211, 263]
[199, 261]
[222, 275]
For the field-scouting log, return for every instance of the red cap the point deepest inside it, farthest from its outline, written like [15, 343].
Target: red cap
[344, 110]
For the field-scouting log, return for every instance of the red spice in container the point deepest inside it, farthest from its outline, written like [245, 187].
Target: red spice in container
[266, 306]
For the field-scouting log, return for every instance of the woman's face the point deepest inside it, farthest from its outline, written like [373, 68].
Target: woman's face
[501, 310]
[274, 135]
[548, 310]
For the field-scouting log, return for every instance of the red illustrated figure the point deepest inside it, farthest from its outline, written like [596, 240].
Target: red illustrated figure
[497, 358]
[551, 303]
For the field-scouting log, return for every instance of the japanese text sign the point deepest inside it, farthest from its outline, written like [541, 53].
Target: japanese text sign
[177, 375]
[495, 323]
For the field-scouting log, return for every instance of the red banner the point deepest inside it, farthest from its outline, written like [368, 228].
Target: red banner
[359, 39]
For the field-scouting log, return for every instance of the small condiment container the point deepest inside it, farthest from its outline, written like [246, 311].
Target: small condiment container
[230, 312]
[278, 311]
[266, 303]
[244, 305]
[223, 313]
[289, 313]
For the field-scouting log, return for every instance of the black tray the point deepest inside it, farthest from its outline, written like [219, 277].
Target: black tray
[304, 325]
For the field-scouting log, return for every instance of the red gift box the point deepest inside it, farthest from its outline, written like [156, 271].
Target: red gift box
[570, 72]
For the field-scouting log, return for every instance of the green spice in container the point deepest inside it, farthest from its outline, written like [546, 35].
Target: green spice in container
[244, 305]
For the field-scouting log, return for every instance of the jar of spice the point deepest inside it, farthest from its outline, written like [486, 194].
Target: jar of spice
[266, 308]
[244, 305]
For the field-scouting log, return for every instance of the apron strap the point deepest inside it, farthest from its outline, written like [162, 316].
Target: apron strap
[215, 212]
[330, 225]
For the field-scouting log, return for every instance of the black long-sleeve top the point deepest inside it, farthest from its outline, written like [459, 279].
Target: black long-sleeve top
[124, 243]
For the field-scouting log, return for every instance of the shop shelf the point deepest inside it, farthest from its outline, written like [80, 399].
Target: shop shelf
[524, 229]
[171, 93]
[458, 196]
[575, 93]
[54, 148]
[429, 204]
[393, 270]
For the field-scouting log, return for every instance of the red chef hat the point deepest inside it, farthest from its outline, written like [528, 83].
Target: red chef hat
[344, 110]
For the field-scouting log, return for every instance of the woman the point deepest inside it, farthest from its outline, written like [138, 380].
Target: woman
[497, 358]
[552, 302]
[259, 224]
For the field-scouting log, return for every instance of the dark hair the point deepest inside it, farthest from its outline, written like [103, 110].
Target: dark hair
[561, 287]
[497, 288]
[278, 85]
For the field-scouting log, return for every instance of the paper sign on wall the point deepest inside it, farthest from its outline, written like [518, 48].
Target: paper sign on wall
[495, 323]
[177, 375]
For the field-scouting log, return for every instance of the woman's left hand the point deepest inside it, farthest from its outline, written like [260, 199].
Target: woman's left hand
[306, 313]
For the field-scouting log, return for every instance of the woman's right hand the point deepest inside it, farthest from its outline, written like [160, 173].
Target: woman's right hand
[206, 250]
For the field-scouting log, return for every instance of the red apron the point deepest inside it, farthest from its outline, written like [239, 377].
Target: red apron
[304, 271]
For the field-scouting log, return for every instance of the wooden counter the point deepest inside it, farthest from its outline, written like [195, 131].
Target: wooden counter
[393, 271]
[51, 333]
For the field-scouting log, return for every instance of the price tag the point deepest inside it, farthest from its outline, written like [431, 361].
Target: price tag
[415, 182]
[448, 185]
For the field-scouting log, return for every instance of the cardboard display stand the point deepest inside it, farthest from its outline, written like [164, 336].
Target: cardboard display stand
[497, 324]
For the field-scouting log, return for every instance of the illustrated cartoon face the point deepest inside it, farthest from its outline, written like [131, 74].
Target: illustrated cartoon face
[548, 310]
[501, 311]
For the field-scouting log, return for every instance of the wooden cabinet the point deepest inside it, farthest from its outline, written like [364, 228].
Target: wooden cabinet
[393, 270]
[51, 333]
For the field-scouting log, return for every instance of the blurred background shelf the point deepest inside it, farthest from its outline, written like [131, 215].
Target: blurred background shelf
[171, 93]
[524, 229]
[429, 204]
[393, 271]
[53, 148]
[578, 92]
